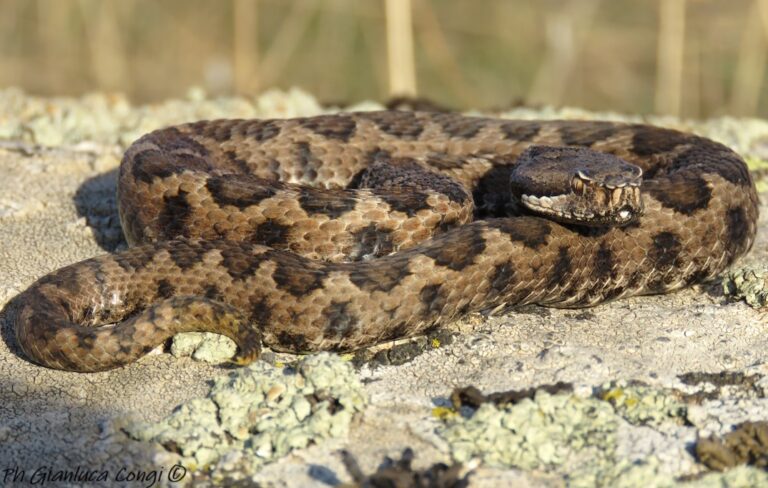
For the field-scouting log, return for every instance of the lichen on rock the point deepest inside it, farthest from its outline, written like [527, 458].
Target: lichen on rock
[749, 283]
[573, 436]
[260, 413]
[544, 432]
[204, 346]
[643, 405]
[578, 437]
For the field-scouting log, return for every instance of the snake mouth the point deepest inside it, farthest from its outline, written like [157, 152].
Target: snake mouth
[591, 206]
[578, 186]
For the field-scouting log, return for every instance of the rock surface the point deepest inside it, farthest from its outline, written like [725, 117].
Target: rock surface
[57, 177]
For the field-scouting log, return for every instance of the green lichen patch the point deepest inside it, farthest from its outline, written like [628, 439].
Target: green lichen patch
[260, 413]
[643, 405]
[111, 119]
[739, 477]
[747, 444]
[579, 437]
[203, 346]
[749, 283]
[546, 432]
[565, 434]
[632, 475]
[759, 169]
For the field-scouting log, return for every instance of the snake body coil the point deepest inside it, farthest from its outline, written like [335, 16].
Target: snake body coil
[340, 231]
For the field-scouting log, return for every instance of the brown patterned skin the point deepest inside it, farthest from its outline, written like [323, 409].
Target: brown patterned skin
[218, 245]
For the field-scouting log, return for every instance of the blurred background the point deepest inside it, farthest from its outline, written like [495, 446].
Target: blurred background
[693, 58]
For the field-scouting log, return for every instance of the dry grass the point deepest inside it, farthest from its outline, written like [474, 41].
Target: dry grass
[400, 63]
[670, 56]
[686, 57]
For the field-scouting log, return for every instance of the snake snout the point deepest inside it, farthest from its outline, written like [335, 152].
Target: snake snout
[578, 186]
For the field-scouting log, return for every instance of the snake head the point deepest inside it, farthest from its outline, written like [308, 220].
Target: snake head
[578, 186]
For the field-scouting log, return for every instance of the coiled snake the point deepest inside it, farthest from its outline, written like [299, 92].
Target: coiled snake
[340, 231]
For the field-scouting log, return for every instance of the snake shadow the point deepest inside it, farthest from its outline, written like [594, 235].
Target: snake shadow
[96, 201]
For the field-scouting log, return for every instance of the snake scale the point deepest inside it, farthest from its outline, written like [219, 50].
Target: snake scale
[341, 231]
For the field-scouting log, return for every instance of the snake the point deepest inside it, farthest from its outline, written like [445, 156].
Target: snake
[340, 231]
